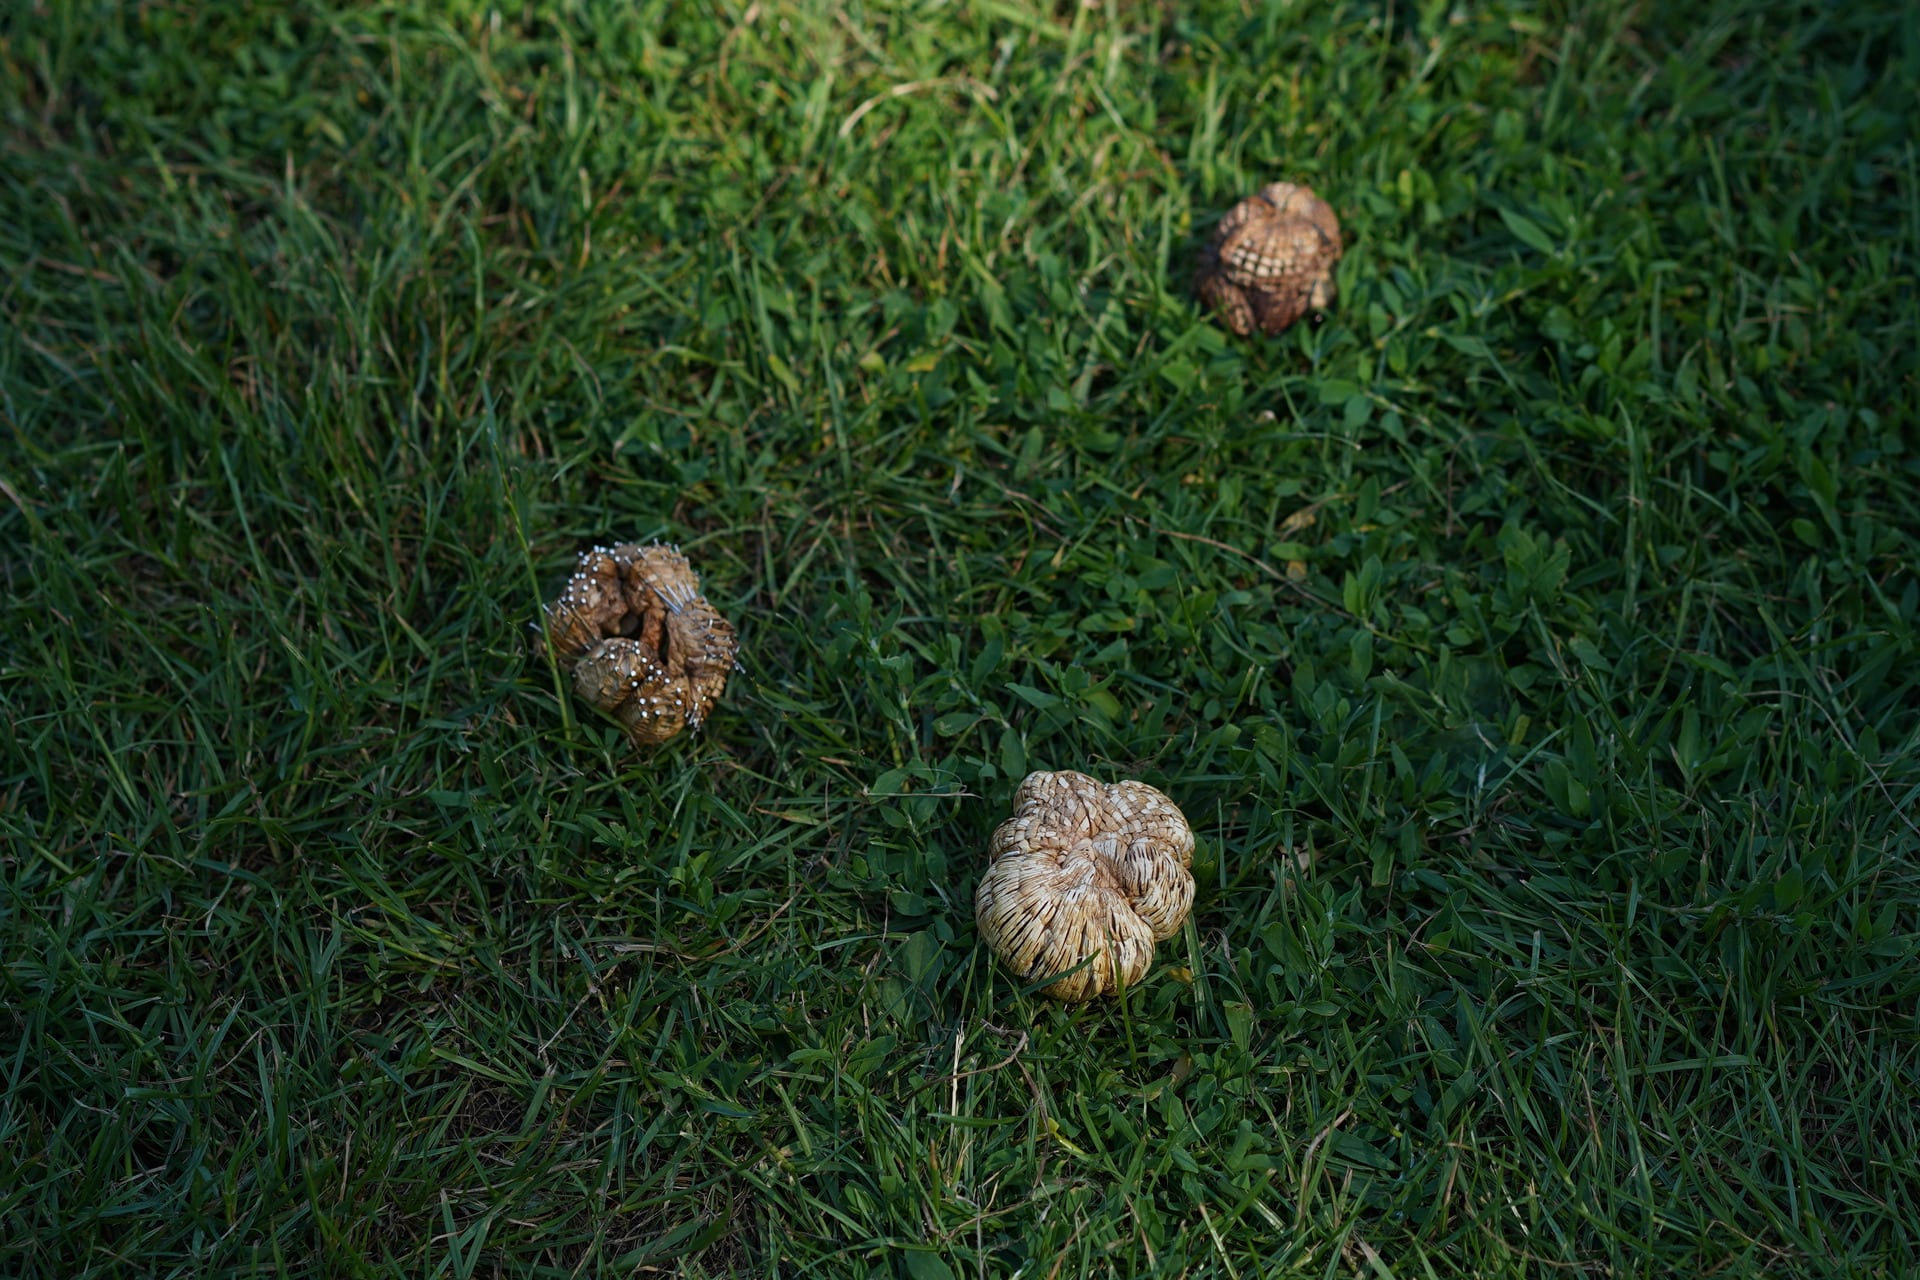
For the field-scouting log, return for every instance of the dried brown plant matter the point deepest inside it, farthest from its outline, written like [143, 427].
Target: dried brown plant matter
[642, 643]
[1270, 261]
[1086, 875]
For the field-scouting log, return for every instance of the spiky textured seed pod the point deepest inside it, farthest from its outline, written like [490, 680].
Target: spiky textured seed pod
[1084, 876]
[1270, 261]
[642, 644]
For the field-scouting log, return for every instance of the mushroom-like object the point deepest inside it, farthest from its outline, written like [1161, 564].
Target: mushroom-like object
[1270, 260]
[1084, 876]
[642, 643]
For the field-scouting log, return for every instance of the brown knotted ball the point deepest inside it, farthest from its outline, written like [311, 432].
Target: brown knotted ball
[642, 643]
[1270, 260]
[1082, 881]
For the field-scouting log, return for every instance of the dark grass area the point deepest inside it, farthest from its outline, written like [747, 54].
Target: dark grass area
[1532, 645]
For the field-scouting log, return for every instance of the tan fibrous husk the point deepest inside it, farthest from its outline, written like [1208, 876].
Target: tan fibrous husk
[1271, 259]
[1085, 876]
[641, 642]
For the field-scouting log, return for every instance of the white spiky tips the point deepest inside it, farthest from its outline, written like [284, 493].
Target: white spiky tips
[1271, 259]
[1082, 881]
[643, 645]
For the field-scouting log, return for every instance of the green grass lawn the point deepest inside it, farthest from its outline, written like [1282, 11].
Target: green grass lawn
[1532, 645]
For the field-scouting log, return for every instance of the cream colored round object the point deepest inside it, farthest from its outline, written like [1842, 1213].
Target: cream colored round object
[1270, 261]
[1085, 876]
